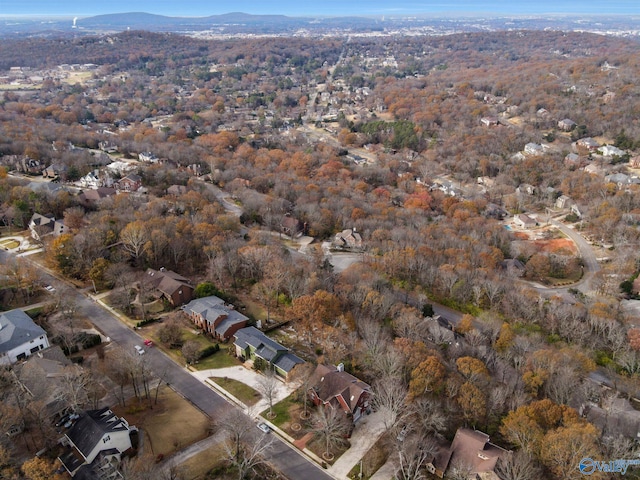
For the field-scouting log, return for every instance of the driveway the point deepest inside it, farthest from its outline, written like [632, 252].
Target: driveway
[250, 378]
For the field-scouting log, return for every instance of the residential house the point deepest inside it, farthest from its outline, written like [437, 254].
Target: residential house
[251, 343]
[43, 225]
[526, 188]
[95, 435]
[42, 377]
[348, 238]
[108, 147]
[215, 317]
[20, 337]
[172, 286]
[563, 201]
[291, 226]
[513, 267]
[335, 388]
[622, 180]
[489, 121]
[566, 125]
[90, 180]
[611, 151]
[533, 149]
[473, 450]
[91, 198]
[148, 157]
[130, 183]
[588, 143]
[524, 221]
[54, 170]
[594, 169]
[572, 160]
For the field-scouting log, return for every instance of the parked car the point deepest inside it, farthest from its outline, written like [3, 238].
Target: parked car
[148, 343]
[139, 349]
[264, 427]
[49, 288]
[403, 434]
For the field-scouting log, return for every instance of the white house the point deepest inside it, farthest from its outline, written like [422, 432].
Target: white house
[533, 149]
[524, 221]
[96, 432]
[20, 337]
[611, 151]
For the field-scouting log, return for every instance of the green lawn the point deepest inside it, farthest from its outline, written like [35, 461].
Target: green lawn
[220, 359]
[281, 409]
[241, 391]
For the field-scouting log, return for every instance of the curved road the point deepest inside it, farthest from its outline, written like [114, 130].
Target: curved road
[282, 456]
[589, 261]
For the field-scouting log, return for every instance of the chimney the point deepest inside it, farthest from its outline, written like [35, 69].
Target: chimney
[340, 367]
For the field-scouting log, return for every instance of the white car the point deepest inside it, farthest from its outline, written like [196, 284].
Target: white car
[49, 288]
[264, 427]
[139, 349]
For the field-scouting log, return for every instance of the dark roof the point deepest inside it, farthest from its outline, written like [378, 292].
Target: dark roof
[91, 427]
[331, 384]
[167, 282]
[17, 328]
[266, 348]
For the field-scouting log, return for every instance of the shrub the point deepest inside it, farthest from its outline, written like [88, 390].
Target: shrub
[142, 323]
[210, 350]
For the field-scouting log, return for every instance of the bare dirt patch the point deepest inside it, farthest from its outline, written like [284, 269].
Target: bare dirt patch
[557, 245]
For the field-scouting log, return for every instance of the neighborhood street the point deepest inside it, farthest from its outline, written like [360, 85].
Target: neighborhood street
[284, 457]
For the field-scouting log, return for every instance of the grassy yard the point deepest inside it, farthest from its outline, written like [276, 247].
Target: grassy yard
[169, 426]
[198, 466]
[220, 359]
[283, 411]
[9, 244]
[241, 391]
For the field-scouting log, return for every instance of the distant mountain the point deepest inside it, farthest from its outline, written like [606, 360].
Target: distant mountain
[238, 23]
[146, 21]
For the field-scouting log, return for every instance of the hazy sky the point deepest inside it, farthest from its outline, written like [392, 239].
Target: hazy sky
[200, 8]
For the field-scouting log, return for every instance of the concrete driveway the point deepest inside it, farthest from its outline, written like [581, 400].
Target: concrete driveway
[248, 377]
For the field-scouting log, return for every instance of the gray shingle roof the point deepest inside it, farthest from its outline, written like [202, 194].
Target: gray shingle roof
[266, 348]
[211, 309]
[17, 328]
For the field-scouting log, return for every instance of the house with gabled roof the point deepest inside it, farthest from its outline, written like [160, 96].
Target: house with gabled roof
[215, 317]
[20, 337]
[332, 387]
[472, 450]
[130, 183]
[94, 436]
[566, 124]
[43, 225]
[251, 343]
[172, 286]
[42, 377]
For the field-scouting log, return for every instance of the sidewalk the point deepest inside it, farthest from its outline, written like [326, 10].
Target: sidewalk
[367, 431]
[250, 378]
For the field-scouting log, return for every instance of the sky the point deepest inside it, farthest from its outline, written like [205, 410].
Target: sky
[203, 8]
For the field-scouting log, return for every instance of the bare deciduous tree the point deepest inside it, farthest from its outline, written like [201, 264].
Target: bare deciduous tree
[517, 466]
[330, 426]
[268, 387]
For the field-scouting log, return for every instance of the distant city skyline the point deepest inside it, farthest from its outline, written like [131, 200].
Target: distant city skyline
[203, 8]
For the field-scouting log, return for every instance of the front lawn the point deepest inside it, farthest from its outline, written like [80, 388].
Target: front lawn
[169, 426]
[241, 391]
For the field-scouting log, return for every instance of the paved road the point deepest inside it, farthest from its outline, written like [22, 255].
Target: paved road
[284, 457]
